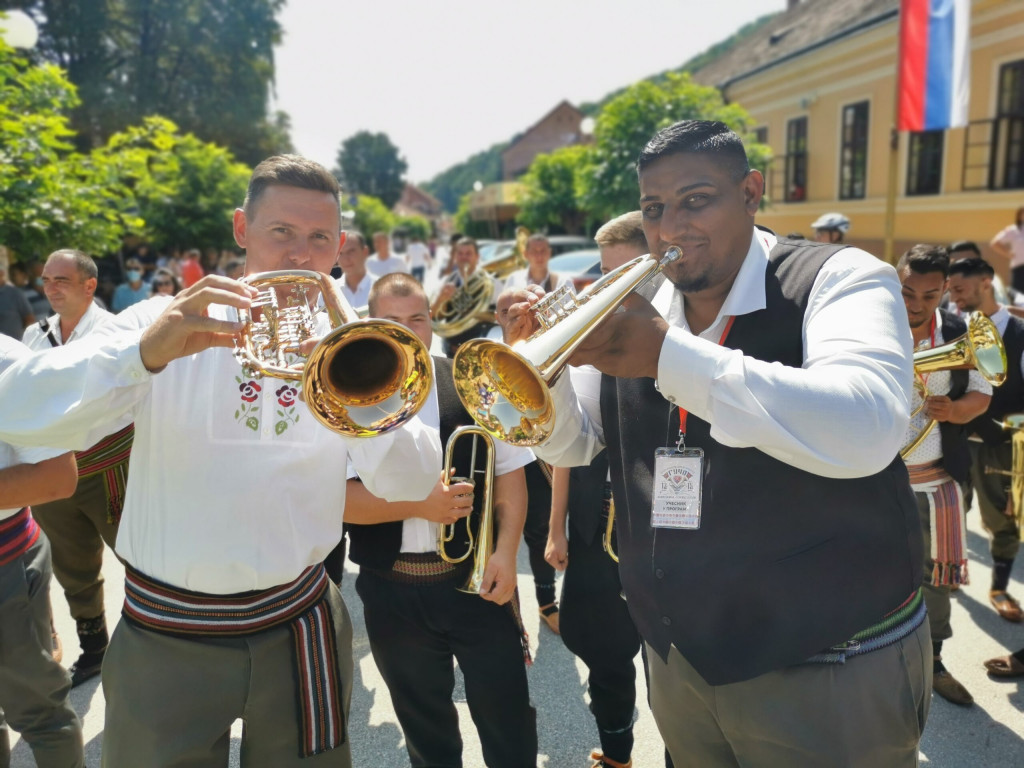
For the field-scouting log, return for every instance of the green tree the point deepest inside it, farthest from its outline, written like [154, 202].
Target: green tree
[414, 226]
[465, 224]
[450, 185]
[628, 121]
[369, 164]
[371, 215]
[554, 187]
[208, 64]
[52, 197]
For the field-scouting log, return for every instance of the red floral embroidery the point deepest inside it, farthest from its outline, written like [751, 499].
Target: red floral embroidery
[286, 396]
[250, 391]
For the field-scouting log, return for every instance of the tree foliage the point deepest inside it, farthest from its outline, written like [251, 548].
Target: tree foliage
[414, 226]
[371, 215]
[450, 185]
[554, 188]
[369, 164]
[208, 64]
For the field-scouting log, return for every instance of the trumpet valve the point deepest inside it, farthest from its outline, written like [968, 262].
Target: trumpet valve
[556, 306]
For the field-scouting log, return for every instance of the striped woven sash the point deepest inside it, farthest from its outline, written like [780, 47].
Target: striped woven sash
[17, 534]
[947, 522]
[110, 457]
[893, 627]
[300, 604]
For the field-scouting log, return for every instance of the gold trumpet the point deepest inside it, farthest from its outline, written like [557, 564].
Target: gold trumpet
[981, 348]
[608, 529]
[1015, 422]
[364, 378]
[483, 544]
[506, 389]
[516, 260]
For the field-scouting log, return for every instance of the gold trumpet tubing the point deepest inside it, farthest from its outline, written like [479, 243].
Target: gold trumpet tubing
[608, 530]
[507, 389]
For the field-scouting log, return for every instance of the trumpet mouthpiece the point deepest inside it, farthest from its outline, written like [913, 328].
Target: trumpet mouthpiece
[672, 254]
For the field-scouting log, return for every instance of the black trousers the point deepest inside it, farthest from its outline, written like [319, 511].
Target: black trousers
[596, 627]
[415, 632]
[535, 530]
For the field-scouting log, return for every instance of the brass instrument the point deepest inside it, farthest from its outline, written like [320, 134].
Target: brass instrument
[471, 304]
[516, 260]
[364, 378]
[506, 389]
[608, 529]
[483, 545]
[981, 348]
[1014, 421]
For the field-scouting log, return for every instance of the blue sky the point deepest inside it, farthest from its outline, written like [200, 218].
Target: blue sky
[447, 79]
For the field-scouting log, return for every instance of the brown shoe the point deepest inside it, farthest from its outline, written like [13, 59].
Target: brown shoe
[1006, 606]
[600, 761]
[948, 688]
[1005, 666]
[549, 615]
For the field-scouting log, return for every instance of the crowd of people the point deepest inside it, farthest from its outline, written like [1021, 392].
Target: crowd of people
[693, 467]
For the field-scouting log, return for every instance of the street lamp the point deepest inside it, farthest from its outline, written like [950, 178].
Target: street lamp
[18, 30]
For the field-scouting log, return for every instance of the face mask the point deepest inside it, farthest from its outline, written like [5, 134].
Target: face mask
[133, 275]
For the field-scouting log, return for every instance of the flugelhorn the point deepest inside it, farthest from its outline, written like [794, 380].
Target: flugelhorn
[981, 347]
[506, 389]
[1014, 422]
[362, 379]
[481, 546]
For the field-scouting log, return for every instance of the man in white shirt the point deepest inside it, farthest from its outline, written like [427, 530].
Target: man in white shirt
[417, 619]
[236, 495]
[355, 281]
[33, 686]
[418, 257]
[755, 492]
[78, 526]
[383, 262]
[938, 459]
[538, 254]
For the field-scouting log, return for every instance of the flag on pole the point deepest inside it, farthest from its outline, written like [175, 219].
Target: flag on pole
[934, 66]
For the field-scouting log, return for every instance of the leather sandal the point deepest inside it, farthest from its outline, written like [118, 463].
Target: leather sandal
[1006, 606]
[600, 761]
[549, 615]
[1005, 666]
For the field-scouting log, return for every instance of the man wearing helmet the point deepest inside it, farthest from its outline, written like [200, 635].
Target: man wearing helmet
[830, 228]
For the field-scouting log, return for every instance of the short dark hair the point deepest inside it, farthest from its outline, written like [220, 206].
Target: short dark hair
[538, 237]
[925, 259]
[83, 262]
[289, 171]
[468, 241]
[355, 234]
[396, 284]
[709, 137]
[972, 268]
[964, 246]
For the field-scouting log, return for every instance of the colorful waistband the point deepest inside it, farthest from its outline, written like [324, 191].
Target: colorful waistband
[17, 534]
[891, 629]
[109, 457]
[420, 568]
[301, 604]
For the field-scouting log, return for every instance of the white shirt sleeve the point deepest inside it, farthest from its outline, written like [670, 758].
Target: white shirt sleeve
[578, 435]
[844, 412]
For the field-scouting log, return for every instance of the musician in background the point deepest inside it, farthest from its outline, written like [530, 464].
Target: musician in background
[466, 261]
[538, 255]
[355, 280]
[970, 286]
[417, 620]
[595, 622]
[941, 461]
[770, 551]
[383, 262]
[226, 497]
[78, 526]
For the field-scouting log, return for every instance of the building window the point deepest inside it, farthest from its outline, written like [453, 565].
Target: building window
[853, 157]
[1008, 138]
[924, 166]
[761, 134]
[796, 160]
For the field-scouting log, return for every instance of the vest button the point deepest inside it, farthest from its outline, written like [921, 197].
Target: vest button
[666, 621]
[659, 573]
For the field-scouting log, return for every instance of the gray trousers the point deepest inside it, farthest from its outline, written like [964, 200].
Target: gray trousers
[77, 528]
[171, 701]
[33, 687]
[936, 596]
[866, 713]
[991, 490]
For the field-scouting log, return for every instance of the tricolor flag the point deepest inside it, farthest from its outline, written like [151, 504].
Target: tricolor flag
[934, 68]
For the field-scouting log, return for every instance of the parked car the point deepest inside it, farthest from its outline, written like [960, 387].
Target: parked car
[559, 244]
[582, 267]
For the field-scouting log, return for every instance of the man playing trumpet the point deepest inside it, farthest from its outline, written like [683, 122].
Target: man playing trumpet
[417, 621]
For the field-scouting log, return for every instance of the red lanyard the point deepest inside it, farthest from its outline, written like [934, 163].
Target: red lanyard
[682, 411]
[924, 376]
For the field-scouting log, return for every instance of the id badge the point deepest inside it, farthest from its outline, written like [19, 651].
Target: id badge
[678, 482]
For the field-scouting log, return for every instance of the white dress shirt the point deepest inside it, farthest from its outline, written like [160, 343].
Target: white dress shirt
[938, 383]
[521, 278]
[36, 338]
[1012, 237]
[12, 455]
[842, 414]
[234, 486]
[361, 295]
[379, 267]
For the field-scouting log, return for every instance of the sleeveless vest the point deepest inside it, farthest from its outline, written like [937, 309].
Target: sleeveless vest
[1008, 398]
[378, 546]
[586, 499]
[786, 563]
[956, 458]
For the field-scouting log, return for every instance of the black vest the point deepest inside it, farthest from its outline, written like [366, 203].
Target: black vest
[1008, 398]
[586, 499]
[378, 546]
[786, 563]
[956, 458]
